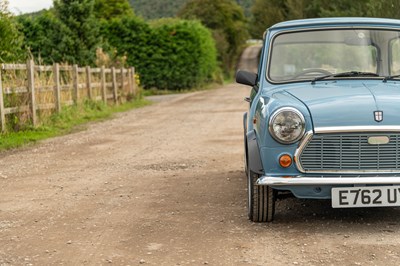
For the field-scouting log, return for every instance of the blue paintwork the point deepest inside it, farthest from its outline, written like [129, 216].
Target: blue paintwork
[349, 103]
[327, 103]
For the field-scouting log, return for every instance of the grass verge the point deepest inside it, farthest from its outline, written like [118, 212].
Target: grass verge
[70, 119]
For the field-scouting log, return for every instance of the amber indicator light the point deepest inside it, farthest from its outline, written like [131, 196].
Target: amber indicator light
[285, 161]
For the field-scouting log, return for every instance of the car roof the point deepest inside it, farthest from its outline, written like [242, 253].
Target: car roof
[342, 21]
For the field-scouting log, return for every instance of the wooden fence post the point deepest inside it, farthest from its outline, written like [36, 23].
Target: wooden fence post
[57, 90]
[89, 82]
[114, 85]
[30, 67]
[130, 89]
[75, 76]
[133, 81]
[103, 85]
[122, 80]
[2, 114]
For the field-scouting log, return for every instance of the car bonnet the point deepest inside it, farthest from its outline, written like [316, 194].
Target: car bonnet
[350, 103]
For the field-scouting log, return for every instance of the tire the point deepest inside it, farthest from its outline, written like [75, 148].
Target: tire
[246, 158]
[261, 200]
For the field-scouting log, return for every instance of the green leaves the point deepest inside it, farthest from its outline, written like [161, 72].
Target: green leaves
[110, 9]
[81, 31]
[11, 39]
[173, 54]
[228, 23]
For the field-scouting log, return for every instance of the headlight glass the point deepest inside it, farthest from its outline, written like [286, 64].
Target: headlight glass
[287, 125]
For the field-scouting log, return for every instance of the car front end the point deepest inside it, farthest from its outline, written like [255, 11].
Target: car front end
[324, 117]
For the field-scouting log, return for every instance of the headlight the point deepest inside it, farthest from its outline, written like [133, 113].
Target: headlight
[287, 125]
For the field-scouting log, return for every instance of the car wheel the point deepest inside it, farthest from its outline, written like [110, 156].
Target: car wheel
[261, 200]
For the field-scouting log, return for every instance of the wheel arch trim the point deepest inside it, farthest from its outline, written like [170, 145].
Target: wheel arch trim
[254, 157]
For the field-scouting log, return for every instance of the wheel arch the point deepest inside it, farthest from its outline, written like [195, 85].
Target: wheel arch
[253, 153]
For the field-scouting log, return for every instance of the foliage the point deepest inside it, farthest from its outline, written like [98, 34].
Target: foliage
[110, 59]
[384, 8]
[155, 9]
[172, 54]
[228, 23]
[81, 31]
[129, 36]
[268, 12]
[265, 14]
[43, 36]
[11, 39]
[109, 9]
[184, 55]
[246, 5]
[341, 8]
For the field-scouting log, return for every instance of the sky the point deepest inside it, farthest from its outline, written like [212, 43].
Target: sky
[27, 6]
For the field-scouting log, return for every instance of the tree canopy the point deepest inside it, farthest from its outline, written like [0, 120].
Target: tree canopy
[228, 23]
[80, 28]
[109, 9]
[11, 39]
[265, 13]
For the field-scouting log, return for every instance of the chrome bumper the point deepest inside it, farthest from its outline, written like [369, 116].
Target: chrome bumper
[322, 180]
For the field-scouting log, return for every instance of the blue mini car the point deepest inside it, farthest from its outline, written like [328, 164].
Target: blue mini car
[324, 117]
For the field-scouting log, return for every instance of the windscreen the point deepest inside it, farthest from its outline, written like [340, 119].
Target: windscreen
[305, 55]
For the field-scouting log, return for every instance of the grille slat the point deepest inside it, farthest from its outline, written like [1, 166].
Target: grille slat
[350, 152]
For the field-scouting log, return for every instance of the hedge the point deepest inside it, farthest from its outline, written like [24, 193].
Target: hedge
[171, 54]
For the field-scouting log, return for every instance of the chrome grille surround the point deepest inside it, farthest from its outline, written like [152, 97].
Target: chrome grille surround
[346, 150]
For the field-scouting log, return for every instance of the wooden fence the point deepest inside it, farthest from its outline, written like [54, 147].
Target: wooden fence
[29, 89]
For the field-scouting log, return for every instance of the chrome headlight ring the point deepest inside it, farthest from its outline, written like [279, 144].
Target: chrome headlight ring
[287, 125]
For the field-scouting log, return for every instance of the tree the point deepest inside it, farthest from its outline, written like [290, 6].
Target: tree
[384, 9]
[265, 14]
[268, 12]
[228, 23]
[341, 8]
[81, 38]
[11, 39]
[155, 9]
[43, 36]
[109, 9]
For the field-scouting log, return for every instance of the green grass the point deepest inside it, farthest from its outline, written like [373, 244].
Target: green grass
[72, 118]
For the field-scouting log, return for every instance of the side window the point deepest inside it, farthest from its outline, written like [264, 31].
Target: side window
[395, 57]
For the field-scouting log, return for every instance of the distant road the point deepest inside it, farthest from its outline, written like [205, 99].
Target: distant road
[249, 59]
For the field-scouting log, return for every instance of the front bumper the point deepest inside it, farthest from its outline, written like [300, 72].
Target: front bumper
[328, 180]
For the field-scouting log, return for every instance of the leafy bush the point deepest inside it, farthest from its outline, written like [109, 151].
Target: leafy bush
[172, 54]
[228, 23]
[11, 39]
[44, 36]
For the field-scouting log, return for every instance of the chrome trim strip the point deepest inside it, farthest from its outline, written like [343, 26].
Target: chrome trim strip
[303, 143]
[357, 129]
[320, 181]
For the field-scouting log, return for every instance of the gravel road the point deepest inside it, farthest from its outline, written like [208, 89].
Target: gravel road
[164, 185]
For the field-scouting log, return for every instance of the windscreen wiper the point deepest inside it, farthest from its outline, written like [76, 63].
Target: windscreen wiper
[385, 79]
[345, 74]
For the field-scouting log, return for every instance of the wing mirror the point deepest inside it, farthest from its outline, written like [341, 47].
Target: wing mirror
[246, 78]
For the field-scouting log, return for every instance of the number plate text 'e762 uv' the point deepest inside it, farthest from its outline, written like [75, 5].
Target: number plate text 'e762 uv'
[352, 197]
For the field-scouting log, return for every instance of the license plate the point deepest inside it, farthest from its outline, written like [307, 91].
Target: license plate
[352, 197]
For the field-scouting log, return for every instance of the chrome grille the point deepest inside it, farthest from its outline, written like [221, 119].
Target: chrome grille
[350, 153]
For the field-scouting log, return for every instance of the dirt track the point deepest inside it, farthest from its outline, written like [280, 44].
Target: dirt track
[164, 185]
